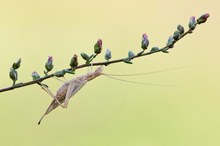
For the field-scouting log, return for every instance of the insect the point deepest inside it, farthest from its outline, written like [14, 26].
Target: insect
[68, 89]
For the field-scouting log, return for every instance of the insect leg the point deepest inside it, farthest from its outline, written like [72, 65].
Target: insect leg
[51, 94]
[90, 68]
[48, 91]
[60, 79]
[73, 88]
[69, 94]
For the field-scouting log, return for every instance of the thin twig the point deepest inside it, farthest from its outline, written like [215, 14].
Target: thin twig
[20, 85]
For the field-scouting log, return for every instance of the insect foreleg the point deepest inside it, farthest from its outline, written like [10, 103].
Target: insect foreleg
[51, 94]
[47, 91]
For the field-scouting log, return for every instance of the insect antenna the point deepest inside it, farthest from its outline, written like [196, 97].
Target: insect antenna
[146, 73]
[134, 82]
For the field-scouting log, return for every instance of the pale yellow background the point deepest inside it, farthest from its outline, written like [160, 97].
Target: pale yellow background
[108, 112]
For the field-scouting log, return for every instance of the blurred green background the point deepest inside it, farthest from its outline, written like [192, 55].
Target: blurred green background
[108, 112]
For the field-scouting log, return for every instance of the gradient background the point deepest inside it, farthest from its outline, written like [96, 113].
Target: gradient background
[108, 112]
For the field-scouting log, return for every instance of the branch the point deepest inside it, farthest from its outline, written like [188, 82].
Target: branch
[177, 36]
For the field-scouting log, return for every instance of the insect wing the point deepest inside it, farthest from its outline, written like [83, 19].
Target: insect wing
[73, 88]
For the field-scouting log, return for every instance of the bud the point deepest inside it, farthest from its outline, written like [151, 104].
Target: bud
[203, 18]
[85, 56]
[176, 35]
[13, 75]
[145, 42]
[98, 47]
[192, 23]
[69, 71]
[170, 42]
[74, 61]
[165, 50]
[17, 64]
[154, 49]
[35, 75]
[131, 54]
[60, 73]
[180, 28]
[108, 55]
[49, 64]
[127, 60]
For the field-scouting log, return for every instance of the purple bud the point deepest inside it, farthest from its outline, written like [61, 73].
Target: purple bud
[35, 75]
[50, 59]
[192, 19]
[98, 47]
[100, 43]
[203, 18]
[49, 64]
[192, 23]
[145, 42]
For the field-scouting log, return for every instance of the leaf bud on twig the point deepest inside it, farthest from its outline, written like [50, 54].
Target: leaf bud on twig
[17, 64]
[170, 42]
[74, 61]
[60, 73]
[180, 28]
[176, 35]
[144, 42]
[35, 75]
[49, 64]
[192, 23]
[108, 55]
[13, 75]
[130, 54]
[98, 47]
[203, 18]
[154, 49]
[85, 56]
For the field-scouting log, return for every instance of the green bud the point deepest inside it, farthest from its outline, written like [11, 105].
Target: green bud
[165, 51]
[98, 47]
[154, 49]
[170, 42]
[176, 35]
[85, 56]
[35, 75]
[17, 64]
[60, 73]
[49, 64]
[180, 28]
[108, 55]
[74, 61]
[69, 71]
[13, 75]
[128, 61]
[192, 23]
[131, 54]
